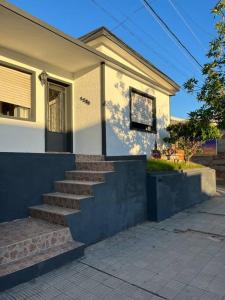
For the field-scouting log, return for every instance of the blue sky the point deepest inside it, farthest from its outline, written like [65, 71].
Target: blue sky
[141, 31]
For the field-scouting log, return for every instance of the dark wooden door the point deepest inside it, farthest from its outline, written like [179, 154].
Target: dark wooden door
[58, 118]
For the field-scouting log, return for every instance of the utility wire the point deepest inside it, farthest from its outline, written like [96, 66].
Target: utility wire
[159, 55]
[126, 18]
[169, 31]
[186, 24]
[193, 20]
[122, 23]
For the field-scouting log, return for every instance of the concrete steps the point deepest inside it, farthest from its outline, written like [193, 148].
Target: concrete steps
[51, 243]
[25, 237]
[85, 157]
[27, 268]
[64, 199]
[51, 213]
[29, 243]
[95, 165]
[84, 175]
[75, 187]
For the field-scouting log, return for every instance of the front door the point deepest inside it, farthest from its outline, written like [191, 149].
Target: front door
[58, 118]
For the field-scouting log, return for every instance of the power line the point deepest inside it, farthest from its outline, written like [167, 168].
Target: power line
[159, 55]
[186, 24]
[126, 18]
[121, 23]
[194, 21]
[167, 29]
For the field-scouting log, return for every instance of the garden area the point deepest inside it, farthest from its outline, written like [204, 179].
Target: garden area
[154, 165]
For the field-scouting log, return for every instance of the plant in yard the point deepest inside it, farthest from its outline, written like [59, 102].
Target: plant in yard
[212, 92]
[190, 136]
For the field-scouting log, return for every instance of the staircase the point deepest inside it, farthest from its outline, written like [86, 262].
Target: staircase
[95, 200]
[30, 247]
[35, 245]
[77, 187]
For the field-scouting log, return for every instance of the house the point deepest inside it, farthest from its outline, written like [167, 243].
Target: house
[93, 95]
[176, 120]
[77, 118]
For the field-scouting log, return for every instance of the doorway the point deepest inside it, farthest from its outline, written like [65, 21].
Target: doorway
[58, 136]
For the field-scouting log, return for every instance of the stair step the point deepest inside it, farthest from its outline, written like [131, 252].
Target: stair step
[28, 268]
[95, 165]
[76, 187]
[51, 213]
[64, 200]
[89, 175]
[86, 157]
[26, 237]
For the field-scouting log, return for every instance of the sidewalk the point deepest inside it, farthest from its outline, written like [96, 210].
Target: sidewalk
[180, 258]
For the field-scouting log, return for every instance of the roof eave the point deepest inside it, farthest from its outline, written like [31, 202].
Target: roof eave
[103, 31]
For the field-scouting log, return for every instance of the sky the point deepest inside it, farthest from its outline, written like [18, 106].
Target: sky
[190, 20]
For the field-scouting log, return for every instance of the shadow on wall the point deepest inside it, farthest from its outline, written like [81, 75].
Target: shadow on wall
[171, 192]
[121, 140]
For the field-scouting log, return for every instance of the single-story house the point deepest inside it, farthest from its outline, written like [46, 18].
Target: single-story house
[67, 108]
[92, 95]
[177, 120]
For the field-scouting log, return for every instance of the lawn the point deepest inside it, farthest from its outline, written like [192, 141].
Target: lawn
[166, 165]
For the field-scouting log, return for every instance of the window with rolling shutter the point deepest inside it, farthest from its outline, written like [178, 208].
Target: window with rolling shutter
[15, 92]
[142, 111]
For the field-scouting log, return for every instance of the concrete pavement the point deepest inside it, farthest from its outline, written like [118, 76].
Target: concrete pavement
[180, 258]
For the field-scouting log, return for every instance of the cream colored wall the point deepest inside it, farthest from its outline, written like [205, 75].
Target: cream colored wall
[88, 117]
[120, 139]
[27, 136]
[107, 51]
[114, 50]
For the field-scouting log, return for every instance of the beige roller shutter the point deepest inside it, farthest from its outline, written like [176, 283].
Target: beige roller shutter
[15, 87]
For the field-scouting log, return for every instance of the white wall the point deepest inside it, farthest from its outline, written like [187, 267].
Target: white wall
[26, 136]
[87, 120]
[120, 139]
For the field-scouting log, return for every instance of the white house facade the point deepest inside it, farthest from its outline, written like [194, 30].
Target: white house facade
[93, 95]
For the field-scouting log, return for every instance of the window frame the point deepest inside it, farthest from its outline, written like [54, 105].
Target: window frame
[32, 117]
[139, 126]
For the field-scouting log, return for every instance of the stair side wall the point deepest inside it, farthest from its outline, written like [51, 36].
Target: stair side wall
[118, 204]
[24, 177]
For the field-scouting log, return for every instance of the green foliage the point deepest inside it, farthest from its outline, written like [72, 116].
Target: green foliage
[212, 91]
[190, 136]
[167, 165]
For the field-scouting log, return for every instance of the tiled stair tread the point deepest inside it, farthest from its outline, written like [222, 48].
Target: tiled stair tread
[86, 157]
[89, 172]
[23, 229]
[55, 209]
[107, 161]
[79, 182]
[37, 258]
[68, 196]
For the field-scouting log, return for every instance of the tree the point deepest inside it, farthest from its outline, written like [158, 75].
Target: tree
[190, 136]
[212, 91]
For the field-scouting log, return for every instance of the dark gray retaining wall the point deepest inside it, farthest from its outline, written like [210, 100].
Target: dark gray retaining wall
[119, 203]
[171, 192]
[24, 177]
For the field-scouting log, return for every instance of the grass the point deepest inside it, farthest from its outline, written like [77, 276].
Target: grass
[166, 165]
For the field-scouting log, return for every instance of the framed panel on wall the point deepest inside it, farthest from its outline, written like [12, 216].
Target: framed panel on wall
[142, 111]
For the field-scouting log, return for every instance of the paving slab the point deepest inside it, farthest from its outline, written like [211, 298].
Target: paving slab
[180, 258]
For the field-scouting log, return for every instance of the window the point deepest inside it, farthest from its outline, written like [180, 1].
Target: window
[15, 93]
[56, 108]
[142, 111]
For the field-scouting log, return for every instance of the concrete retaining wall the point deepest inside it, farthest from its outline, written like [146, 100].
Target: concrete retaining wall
[171, 192]
[24, 177]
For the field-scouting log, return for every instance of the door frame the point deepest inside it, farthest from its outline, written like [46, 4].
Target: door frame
[68, 112]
